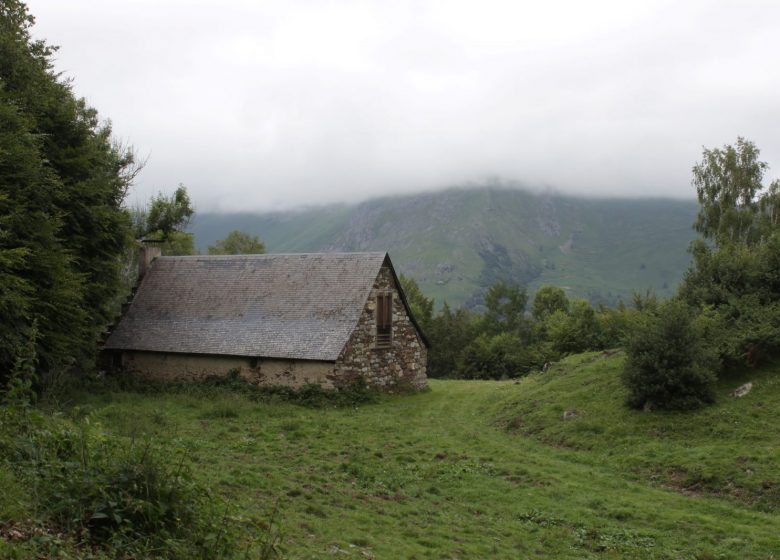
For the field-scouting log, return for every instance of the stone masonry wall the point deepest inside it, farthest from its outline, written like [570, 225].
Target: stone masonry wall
[402, 365]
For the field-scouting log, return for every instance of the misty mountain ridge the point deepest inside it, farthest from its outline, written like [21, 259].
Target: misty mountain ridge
[458, 242]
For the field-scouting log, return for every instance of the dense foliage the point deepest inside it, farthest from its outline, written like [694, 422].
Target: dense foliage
[670, 363]
[507, 341]
[62, 226]
[95, 492]
[238, 243]
[732, 286]
[164, 221]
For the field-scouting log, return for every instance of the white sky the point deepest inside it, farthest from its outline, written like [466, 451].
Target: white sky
[265, 104]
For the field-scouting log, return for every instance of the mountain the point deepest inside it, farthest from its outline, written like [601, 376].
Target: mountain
[458, 242]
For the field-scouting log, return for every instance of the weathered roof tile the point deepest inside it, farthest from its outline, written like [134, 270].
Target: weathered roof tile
[301, 306]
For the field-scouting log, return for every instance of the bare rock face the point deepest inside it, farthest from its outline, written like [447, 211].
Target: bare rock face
[742, 390]
[567, 247]
[547, 217]
[570, 414]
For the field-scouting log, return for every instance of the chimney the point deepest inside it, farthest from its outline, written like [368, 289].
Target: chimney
[146, 254]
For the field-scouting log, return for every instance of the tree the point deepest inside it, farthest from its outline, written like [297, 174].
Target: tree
[238, 243]
[62, 186]
[504, 355]
[505, 308]
[449, 334]
[735, 205]
[576, 331]
[669, 363]
[735, 267]
[164, 221]
[548, 300]
[169, 214]
[422, 307]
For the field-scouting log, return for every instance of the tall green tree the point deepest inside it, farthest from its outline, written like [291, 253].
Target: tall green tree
[505, 308]
[422, 307]
[736, 267]
[548, 300]
[450, 333]
[62, 186]
[168, 214]
[165, 220]
[576, 331]
[238, 243]
[736, 206]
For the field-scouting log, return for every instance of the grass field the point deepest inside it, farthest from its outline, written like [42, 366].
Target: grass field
[483, 469]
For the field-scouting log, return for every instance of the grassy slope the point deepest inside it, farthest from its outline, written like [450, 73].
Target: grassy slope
[483, 469]
[730, 450]
[441, 238]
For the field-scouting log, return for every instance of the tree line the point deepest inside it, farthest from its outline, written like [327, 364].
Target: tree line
[513, 336]
[724, 317]
[67, 238]
[164, 221]
[63, 181]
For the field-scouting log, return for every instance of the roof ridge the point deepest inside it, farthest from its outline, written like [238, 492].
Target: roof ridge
[267, 255]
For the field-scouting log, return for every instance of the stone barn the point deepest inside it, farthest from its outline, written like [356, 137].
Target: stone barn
[278, 319]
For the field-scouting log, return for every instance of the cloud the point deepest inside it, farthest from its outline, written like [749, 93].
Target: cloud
[278, 104]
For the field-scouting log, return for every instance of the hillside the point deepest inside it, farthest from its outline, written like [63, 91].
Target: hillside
[479, 469]
[457, 242]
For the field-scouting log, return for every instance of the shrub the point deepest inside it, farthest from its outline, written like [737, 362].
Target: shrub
[742, 287]
[312, 395]
[547, 300]
[128, 499]
[127, 494]
[614, 325]
[576, 331]
[496, 357]
[669, 363]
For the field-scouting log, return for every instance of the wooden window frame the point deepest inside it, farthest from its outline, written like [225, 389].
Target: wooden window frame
[384, 319]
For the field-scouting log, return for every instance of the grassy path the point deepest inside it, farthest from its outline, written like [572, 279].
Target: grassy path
[432, 476]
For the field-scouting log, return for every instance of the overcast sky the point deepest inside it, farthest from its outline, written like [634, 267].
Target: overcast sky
[263, 104]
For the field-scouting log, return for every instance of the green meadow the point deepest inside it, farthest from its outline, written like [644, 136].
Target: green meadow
[473, 469]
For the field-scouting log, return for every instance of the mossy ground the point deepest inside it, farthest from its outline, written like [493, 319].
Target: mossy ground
[485, 469]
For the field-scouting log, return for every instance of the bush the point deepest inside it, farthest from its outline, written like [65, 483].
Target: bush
[128, 499]
[311, 395]
[505, 355]
[575, 331]
[669, 363]
[135, 500]
[742, 287]
[123, 495]
[614, 325]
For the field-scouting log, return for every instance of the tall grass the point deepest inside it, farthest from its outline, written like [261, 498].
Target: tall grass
[98, 493]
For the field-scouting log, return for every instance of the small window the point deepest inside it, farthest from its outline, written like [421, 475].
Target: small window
[384, 319]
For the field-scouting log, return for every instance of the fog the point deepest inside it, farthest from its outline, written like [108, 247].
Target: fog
[269, 105]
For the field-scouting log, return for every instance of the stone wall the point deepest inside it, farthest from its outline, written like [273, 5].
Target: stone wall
[399, 366]
[293, 373]
[402, 365]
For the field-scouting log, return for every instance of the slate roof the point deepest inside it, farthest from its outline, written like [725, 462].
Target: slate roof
[302, 306]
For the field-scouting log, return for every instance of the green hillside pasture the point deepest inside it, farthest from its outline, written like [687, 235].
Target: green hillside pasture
[484, 469]
[730, 450]
[620, 247]
[457, 242]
